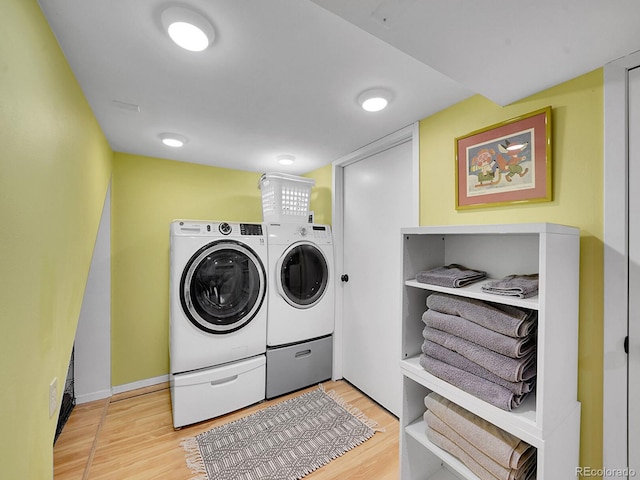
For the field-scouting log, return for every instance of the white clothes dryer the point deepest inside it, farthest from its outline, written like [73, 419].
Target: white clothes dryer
[301, 294]
[218, 293]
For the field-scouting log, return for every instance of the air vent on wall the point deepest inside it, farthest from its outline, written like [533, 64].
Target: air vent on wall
[132, 107]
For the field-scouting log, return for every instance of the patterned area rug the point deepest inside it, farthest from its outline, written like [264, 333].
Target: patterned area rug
[285, 441]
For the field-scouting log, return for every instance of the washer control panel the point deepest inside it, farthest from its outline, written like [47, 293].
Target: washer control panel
[250, 229]
[189, 227]
[224, 228]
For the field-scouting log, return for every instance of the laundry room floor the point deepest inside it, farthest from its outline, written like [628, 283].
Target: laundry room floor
[131, 436]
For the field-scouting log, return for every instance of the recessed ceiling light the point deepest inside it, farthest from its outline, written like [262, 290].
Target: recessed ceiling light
[188, 28]
[173, 140]
[286, 159]
[375, 99]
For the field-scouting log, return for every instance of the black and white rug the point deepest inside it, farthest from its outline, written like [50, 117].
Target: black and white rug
[285, 441]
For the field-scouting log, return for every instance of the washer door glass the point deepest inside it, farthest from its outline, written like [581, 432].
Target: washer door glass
[223, 287]
[304, 275]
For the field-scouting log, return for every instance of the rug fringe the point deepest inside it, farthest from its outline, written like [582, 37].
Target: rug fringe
[194, 459]
[357, 413]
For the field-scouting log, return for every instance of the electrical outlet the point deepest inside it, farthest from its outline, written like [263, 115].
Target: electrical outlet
[53, 396]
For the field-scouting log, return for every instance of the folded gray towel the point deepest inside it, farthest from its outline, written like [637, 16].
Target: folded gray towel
[453, 275]
[455, 359]
[503, 447]
[513, 347]
[505, 319]
[475, 452]
[511, 369]
[485, 390]
[447, 445]
[439, 440]
[521, 286]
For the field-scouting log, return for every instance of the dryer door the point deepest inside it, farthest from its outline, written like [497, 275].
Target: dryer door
[303, 275]
[223, 286]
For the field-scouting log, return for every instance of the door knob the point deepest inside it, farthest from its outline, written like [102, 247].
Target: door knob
[344, 278]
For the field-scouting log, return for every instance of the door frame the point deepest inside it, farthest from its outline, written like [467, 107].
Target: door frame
[411, 133]
[616, 258]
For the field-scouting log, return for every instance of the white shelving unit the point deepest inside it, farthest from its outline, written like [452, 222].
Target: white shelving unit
[548, 419]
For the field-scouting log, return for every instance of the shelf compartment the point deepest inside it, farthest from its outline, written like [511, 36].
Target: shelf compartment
[475, 291]
[417, 431]
[520, 422]
[497, 255]
[557, 453]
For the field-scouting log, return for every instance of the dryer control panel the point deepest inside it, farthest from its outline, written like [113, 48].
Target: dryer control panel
[287, 233]
[316, 232]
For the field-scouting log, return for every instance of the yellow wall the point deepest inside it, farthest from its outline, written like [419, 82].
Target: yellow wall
[54, 172]
[577, 138]
[321, 194]
[147, 194]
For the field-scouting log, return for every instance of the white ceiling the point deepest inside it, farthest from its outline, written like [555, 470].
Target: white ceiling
[283, 76]
[503, 49]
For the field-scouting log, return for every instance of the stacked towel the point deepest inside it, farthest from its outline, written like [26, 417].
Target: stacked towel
[505, 319]
[453, 359]
[488, 451]
[514, 347]
[488, 391]
[486, 350]
[521, 286]
[511, 369]
[453, 275]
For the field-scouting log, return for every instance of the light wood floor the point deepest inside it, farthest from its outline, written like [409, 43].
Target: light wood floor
[131, 436]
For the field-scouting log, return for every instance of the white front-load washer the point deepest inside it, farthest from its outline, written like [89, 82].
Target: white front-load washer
[218, 293]
[301, 293]
[218, 318]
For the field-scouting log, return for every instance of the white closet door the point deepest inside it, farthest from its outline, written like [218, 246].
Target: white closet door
[378, 198]
[634, 269]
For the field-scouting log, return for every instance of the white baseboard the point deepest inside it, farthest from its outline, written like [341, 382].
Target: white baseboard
[101, 394]
[139, 384]
[91, 397]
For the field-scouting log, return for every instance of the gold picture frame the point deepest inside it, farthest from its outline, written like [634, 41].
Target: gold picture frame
[506, 163]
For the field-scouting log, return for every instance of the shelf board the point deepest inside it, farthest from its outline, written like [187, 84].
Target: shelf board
[475, 291]
[417, 430]
[509, 229]
[520, 422]
[443, 474]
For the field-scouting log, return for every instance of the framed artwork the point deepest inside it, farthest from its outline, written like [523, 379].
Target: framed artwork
[509, 162]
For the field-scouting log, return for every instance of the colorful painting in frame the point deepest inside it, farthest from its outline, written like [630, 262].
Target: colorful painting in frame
[505, 163]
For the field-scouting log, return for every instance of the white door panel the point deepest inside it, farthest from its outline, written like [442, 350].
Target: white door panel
[378, 196]
[634, 269]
